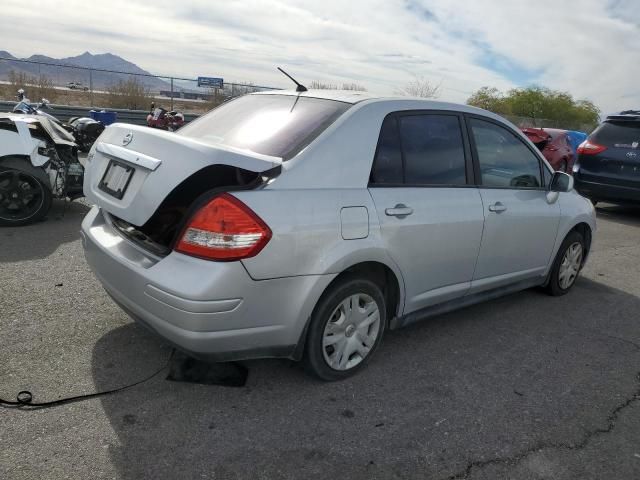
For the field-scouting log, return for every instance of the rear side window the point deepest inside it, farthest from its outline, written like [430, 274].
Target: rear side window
[433, 150]
[617, 134]
[423, 149]
[275, 125]
[505, 161]
[387, 167]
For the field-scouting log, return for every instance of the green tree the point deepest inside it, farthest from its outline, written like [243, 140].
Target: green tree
[489, 98]
[543, 106]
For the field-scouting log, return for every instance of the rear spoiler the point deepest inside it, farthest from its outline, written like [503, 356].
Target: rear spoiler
[631, 116]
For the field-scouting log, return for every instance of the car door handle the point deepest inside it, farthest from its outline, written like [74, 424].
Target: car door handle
[497, 207]
[400, 211]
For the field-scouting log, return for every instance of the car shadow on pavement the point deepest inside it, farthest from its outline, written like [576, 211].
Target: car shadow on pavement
[624, 214]
[492, 380]
[30, 242]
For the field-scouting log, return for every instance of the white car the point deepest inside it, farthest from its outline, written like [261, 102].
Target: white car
[303, 225]
[76, 86]
[38, 162]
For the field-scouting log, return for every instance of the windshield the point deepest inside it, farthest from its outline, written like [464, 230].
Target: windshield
[618, 134]
[275, 125]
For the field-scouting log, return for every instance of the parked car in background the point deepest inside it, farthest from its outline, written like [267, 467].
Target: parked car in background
[608, 165]
[38, 162]
[77, 86]
[303, 225]
[555, 145]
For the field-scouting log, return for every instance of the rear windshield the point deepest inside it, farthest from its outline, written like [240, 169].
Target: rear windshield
[617, 134]
[275, 125]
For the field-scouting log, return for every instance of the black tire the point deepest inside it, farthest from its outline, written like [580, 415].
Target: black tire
[314, 355]
[554, 286]
[18, 208]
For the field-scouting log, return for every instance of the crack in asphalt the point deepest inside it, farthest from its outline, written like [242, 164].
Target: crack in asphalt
[612, 418]
[630, 342]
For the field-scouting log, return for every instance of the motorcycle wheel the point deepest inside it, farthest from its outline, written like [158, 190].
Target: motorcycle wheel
[23, 198]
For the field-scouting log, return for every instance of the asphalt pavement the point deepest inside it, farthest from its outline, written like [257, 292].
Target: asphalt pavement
[523, 387]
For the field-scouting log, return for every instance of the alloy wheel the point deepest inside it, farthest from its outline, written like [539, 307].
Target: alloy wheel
[21, 195]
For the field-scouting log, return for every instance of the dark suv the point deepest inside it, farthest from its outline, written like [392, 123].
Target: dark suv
[608, 165]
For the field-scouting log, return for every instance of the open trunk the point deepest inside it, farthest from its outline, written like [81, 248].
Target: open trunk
[147, 180]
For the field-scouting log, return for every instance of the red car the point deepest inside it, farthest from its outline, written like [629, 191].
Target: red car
[554, 145]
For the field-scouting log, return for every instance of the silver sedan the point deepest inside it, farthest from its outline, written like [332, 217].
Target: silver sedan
[304, 225]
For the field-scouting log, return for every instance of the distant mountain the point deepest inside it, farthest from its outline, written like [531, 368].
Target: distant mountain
[62, 75]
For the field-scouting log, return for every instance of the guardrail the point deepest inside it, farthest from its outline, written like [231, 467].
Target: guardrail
[65, 112]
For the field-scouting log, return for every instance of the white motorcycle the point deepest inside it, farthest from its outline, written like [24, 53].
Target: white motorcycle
[38, 162]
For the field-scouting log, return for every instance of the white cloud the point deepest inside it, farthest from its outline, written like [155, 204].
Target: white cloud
[589, 48]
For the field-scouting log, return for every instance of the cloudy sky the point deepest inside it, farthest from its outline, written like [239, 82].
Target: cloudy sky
[590, 48]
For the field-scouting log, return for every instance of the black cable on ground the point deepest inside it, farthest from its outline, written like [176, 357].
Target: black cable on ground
[24, 399]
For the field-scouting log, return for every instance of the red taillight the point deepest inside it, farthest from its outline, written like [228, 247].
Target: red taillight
[590, 148]
[224, 229]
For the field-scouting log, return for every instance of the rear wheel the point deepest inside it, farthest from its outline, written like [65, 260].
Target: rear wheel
[23, 198]
[567, 264]
[346, 328]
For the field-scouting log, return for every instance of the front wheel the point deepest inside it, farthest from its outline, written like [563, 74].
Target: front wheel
[23, 198]
[346, 328]
[567, 264]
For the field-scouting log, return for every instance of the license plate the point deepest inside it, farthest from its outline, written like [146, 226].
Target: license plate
[116, 179]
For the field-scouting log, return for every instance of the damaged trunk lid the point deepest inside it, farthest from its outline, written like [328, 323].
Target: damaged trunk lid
[132, 169]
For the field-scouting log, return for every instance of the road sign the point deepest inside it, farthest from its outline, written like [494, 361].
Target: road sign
[210, 82]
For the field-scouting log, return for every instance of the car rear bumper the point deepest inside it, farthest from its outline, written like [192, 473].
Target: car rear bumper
[208, 309]
[607, 191]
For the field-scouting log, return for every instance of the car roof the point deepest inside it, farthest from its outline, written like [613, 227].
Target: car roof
[354, 97]
[347, 96]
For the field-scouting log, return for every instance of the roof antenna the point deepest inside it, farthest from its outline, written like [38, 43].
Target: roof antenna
[300, 87]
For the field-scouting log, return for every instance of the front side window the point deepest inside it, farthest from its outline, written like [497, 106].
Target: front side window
[505, 161]
[425, 149]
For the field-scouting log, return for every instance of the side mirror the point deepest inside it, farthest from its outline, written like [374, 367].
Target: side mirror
[561, 182]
